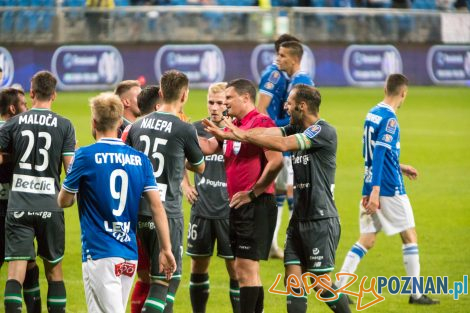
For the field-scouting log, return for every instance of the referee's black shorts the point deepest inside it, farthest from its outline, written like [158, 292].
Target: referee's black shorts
[252, 228]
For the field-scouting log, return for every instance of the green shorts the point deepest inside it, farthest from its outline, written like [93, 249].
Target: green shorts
[203, 233]
[149, 240]
[21, 227]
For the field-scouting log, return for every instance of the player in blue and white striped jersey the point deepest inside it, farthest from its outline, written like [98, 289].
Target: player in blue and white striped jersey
[109, 178]
[385, 205]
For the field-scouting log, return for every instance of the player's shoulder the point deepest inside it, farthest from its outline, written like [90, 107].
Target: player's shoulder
[263, 120]
[321, 128]
[302, 78]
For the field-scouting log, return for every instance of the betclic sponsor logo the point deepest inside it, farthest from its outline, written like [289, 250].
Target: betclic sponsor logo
[369, 65]
[7, 66]
[87, 67]
[264, 55]
[449, 65]
[203, 64]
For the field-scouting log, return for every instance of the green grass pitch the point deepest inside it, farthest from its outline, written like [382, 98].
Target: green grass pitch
[435, 138]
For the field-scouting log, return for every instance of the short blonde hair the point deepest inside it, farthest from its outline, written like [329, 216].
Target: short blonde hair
[106, 110]
[217, 87]
[125, 86]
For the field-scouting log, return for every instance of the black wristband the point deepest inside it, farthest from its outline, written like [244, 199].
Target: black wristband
[252, 195]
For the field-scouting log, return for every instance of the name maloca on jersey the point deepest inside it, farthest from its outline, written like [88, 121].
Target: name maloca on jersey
[157, 124]
[38, 119]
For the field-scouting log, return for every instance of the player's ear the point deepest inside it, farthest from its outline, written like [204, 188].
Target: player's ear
[12, 109]
[54, 95]
[184, 96]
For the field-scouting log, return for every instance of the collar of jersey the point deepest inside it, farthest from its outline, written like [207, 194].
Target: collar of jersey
[126, 120]
[39, 109]
[387, 106]
[167, 113]
[112, 141]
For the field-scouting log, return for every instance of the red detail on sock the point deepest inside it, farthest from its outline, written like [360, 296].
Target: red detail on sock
[139, 295]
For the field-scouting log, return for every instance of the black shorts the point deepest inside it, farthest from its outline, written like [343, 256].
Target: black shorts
[149, 240]
[312, 244]
[49, 229]
[202, 234]
[252, 228]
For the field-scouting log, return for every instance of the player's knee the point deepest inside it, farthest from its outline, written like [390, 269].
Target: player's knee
[199, 265]
[144, 276]
[409, 236]
[367, 241]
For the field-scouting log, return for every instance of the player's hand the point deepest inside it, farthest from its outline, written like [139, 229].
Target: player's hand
[190, 193]
[239, 199]
[167, 263]
[210, 127]
[239, 134]
[409, 171]
[372, 202]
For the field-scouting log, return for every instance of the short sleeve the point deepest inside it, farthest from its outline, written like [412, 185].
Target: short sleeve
[69, 141]
[5, 136]
[288, 130]
[149, 180]
[269, 81]
[75, 172]
[317, 136]
[192, 150]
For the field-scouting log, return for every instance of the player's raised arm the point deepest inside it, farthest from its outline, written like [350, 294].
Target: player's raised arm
[263, 102]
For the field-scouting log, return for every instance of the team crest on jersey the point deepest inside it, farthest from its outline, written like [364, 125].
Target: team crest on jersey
[269, 86]
[236, 147]
[312, 131]
[387, 138]
[274, 77]
[391, 126]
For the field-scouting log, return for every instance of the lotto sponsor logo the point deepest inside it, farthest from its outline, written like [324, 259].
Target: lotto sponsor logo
[264, 55]
[87, 67]
[8, 67]
[369, 65]
[32, 184]
[203, 64]
[449, 64]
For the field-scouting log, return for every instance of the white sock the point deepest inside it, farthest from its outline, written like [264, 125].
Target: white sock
[351, 262]
[274, 245]
[411, 262]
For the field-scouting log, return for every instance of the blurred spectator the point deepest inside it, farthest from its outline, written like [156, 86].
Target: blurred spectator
[461, 5]
[377, 3]
[401, 4]
[97, 21]
[304, 3]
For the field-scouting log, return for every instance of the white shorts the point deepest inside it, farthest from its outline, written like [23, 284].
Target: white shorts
[108, 283]
[394, 216]
[286, 175]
